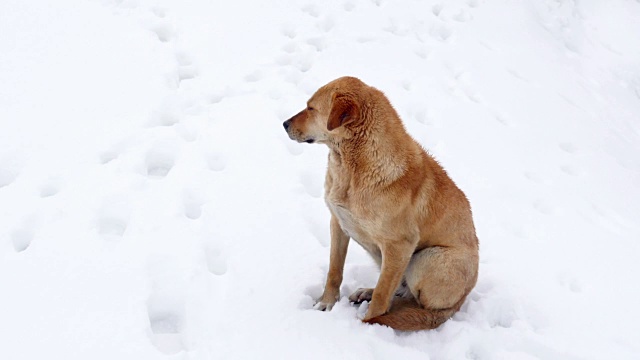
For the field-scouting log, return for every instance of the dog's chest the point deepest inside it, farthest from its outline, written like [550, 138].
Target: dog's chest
[345, 218]
[340, 201]
[353, 225]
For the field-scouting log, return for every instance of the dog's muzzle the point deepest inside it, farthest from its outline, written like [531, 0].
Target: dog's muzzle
[287, 124]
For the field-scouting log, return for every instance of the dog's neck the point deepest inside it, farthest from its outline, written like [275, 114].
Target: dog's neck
[372, 154]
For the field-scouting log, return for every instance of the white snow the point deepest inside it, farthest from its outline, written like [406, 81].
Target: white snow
[152, 206]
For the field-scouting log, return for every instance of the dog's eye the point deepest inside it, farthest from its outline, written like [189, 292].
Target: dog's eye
[310, 108]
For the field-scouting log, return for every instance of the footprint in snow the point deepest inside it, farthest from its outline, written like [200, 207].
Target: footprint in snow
[163, 30]
[165, 327]
[326, 24]
[441, 32]
[289, 31]
[9, 171]
[311, 9]
[111, 226]
[422, 53]
[501, 312]
[255, 76]
[421, 117]
[108, 156]
[570, 170]
[436, 9]
[284, 59]
[349, 5]
[215, 98]
[164, 323]
[192, 204]
[463, 16]
[394, 29]
[477, 352]
[113, 218]
[168, 113]
[158, 166]
[159, 11]
[568, 147]
[49, 190]
[159, 163]
[216, 162]
[318, 43]
[186, 132]
[164, 118]
[290, 48]
[293, 76]
[186, 69]
[304, 63]
[7, 177]
[473, 3]
[21, 239]
[216, 261]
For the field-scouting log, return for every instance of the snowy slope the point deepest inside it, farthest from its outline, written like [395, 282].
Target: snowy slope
[151, 205]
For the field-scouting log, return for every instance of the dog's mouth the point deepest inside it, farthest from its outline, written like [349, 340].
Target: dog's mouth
[301, 140]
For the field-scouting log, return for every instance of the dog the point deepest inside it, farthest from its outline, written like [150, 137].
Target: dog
[388, 194]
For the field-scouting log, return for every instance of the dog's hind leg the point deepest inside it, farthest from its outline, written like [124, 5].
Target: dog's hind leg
[440, 277]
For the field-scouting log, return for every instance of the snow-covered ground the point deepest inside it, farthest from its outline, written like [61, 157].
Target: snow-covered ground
[152, 206]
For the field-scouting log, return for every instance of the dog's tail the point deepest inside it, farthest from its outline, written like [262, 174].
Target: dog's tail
[408, 315]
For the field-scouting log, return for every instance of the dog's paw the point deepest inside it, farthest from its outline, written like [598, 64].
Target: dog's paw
[371, 313]
[323, 306]
[361, 295]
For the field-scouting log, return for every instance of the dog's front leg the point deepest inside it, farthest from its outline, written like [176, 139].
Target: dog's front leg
[339, 245]
[395, 258]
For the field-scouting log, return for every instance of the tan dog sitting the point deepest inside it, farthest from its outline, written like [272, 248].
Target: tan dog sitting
[386, 193]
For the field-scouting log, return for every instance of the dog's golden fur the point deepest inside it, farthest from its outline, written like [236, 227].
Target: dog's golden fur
[386, 193]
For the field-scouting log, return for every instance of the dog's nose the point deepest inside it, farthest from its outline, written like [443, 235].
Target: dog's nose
[286, 124]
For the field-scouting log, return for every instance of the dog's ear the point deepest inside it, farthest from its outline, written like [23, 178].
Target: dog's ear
[344, 110]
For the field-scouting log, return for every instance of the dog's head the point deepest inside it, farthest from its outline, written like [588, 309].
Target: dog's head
[330, 112]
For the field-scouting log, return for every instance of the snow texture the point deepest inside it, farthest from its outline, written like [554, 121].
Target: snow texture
[152, 206]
